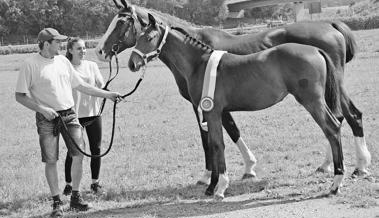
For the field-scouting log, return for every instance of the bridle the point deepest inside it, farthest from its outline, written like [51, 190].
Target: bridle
[133, 16]
[154, 53]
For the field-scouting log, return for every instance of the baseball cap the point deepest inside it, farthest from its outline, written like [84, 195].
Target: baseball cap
[50, 33]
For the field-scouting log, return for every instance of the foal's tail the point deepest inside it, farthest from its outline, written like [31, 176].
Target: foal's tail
[351, 44]
[331, 87]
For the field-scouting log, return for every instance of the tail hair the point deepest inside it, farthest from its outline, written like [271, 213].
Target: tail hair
[351, 44]
[332, 91]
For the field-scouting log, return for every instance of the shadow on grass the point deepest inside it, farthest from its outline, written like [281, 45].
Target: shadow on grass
[184, 201]
[193, 208]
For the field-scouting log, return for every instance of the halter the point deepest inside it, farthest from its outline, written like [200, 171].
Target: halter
[154, 53]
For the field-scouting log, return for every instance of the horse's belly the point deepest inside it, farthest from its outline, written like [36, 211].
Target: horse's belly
[253, 101]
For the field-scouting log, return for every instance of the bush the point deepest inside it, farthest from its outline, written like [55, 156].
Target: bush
[362, 23]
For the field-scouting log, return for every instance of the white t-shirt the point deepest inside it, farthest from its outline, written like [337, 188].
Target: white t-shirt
[49, 81]
[87, 105]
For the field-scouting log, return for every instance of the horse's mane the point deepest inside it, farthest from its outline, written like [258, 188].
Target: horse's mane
[194, 41]
[165, 18]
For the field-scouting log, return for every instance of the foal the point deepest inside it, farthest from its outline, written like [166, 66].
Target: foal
[248, 83]
[334, 37]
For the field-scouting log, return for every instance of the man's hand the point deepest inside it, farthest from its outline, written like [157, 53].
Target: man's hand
[49, 113]
[114, 96]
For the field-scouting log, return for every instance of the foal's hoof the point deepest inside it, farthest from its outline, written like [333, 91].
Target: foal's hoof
[209, 192]
[219, 197]
[359, 173]
[335, 191]
[248, 176]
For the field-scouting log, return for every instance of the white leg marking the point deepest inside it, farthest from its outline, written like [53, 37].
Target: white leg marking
[326, 165]
[206, 178]
[337, 182]
[248, 157]
[222, 185]
[362, 153]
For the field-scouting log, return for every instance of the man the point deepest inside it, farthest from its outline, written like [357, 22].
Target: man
[45, 85]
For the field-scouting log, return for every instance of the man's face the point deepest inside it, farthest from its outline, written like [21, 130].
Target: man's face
[53, 47]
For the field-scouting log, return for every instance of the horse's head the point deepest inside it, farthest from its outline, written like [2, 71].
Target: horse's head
[121, 33]
[148, 45]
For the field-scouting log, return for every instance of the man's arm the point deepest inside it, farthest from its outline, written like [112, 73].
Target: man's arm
[94, 91]
[28, 102]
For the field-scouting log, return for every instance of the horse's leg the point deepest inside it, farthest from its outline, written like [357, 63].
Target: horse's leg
[332, 130]
[216, 143]
[234, 133]
[354, 118]
[326, 165]
[206, 177]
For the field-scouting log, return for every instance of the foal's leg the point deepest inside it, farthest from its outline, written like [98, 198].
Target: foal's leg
[234, 133]
[332, 130]
[247, 155]
[206, 177]
[354, 118]
[216, 143]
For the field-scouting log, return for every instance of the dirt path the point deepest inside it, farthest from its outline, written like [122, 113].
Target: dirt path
[242, 207]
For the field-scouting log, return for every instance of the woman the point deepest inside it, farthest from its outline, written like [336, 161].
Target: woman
[87, 108]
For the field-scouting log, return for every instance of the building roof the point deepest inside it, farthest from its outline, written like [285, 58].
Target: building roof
[235, 1]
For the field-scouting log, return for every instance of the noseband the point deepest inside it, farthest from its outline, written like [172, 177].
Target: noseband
[154, 53]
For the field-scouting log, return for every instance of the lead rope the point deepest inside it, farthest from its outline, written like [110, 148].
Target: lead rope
[63, 124]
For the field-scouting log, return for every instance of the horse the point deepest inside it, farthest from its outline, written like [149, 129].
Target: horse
[248, 83]
[335, 38]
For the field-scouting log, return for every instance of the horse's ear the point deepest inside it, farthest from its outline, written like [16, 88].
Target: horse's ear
[152, 20]
[124, 3]
[141, 21]
[117, 4]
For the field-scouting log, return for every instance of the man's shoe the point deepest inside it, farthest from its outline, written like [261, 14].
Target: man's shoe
[96, 188]
[77, 203]
[67, 190]
[57, 209]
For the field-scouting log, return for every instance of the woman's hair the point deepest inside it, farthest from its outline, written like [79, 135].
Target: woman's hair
[70, 44]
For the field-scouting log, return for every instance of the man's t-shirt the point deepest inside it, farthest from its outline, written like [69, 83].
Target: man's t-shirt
[49, 81]
[87, 105]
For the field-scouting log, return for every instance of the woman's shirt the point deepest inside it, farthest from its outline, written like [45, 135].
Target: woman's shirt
[86, 105]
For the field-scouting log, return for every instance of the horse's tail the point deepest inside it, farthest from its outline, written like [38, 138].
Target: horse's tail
[351, 44]
[331, 87]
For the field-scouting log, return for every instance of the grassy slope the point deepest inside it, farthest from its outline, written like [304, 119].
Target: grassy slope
[157, 152]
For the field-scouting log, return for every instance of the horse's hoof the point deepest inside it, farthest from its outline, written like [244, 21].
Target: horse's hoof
[322, 170]
[209, 192]
[359, 173]
[335, 192]
[201, 183]
[218, 197]
[248, 176]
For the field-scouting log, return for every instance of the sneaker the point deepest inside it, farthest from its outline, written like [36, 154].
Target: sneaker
[57, 209]
[96, 188]
[67, 190]
[77, 203]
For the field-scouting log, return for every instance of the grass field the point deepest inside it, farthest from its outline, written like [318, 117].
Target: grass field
[157, 154]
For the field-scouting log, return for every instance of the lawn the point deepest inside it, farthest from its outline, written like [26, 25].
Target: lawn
[157, 154]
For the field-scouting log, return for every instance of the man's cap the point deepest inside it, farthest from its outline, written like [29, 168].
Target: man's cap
[50, 33]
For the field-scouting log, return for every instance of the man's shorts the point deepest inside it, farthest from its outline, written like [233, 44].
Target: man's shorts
[49, 140]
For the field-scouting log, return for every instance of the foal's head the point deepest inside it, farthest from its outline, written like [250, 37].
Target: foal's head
[121, 33]
[148, 46]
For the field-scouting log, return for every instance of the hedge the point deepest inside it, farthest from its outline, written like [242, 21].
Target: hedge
[362, 23]
[14, 49]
